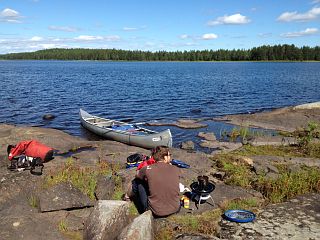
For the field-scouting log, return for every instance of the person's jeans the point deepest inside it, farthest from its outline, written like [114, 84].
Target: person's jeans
[140, 190]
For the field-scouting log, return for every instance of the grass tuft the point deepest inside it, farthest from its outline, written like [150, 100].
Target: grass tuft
[33, 201]
[83, 178]
[205, 223]
[238, 173]
[63, 226]
[250, 204]
[289, 184]
[133, 210]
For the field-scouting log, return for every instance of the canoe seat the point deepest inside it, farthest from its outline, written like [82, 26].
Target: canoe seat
[105, 123]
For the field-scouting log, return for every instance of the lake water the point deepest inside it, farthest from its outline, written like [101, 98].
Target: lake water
[146, 91]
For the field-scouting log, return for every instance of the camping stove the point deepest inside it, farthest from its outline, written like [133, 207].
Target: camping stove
[201, 190]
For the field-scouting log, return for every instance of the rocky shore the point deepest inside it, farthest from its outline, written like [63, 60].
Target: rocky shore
[31, 208]
[284, 119]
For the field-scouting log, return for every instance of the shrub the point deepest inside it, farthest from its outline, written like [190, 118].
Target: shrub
[306, 135]
[289, 184]
[286, 186]
[237, 172]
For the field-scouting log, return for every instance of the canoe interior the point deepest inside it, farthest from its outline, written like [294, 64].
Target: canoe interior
[118, 126]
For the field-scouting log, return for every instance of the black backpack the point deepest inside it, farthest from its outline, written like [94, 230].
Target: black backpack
[135, 159]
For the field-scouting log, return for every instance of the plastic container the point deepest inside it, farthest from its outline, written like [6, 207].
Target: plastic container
[186, 202]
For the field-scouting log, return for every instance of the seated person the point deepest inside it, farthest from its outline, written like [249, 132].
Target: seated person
[148, 161]
[156, 186]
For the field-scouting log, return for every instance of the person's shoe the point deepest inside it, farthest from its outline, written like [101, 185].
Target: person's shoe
[14, 165]
[126, 198]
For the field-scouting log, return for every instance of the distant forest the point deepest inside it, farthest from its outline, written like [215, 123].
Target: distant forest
[283, 52]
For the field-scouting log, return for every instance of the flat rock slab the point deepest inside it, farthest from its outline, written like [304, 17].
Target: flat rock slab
[265, 160]
[297, 219]
[21, 222]
[75, 221]
[188, 145]
[63, 196]
[224, 192]
[221, 146]
[313, 105]
[283, 119]
[51, 137]
[190, 124]
[272, 140]
[181, 123]
[105, 188]
[209, 136]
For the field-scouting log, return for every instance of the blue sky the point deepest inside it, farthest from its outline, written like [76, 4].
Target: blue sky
[170, 25]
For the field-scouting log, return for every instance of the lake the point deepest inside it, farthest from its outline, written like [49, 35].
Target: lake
[147, 91]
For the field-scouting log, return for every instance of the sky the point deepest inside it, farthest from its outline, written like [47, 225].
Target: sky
[163, 25]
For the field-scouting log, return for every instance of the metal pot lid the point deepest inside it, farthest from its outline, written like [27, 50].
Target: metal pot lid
[206, 190]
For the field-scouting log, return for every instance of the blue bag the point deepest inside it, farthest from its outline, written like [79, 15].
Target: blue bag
[179, 163]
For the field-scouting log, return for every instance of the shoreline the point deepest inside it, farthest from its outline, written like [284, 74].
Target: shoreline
[286, 119]
[225, 61]
[90, 154]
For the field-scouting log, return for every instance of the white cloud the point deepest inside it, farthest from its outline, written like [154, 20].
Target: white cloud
[97, 38]
[190, 44]
[10, 16]
[16, 44]
[63, 28]
[184, 36]
[315, 1]
[300, 17]
[130, 29]
[88, 38]
[9, 13]
[209, 36]
[265, 35]
[206, 36]
[44, 46]
[234, 19]
[112, 38]
[26, 45]
[36, 39]
[306, 32]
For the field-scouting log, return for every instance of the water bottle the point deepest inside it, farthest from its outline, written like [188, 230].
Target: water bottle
[186, 202]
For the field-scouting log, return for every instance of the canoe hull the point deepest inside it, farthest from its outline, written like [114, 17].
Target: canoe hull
[103, 127]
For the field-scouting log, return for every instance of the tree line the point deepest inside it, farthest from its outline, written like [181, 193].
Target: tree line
[283, 52]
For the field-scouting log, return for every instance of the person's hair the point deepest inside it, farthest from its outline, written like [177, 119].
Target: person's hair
[9, 148]
[160, 152]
